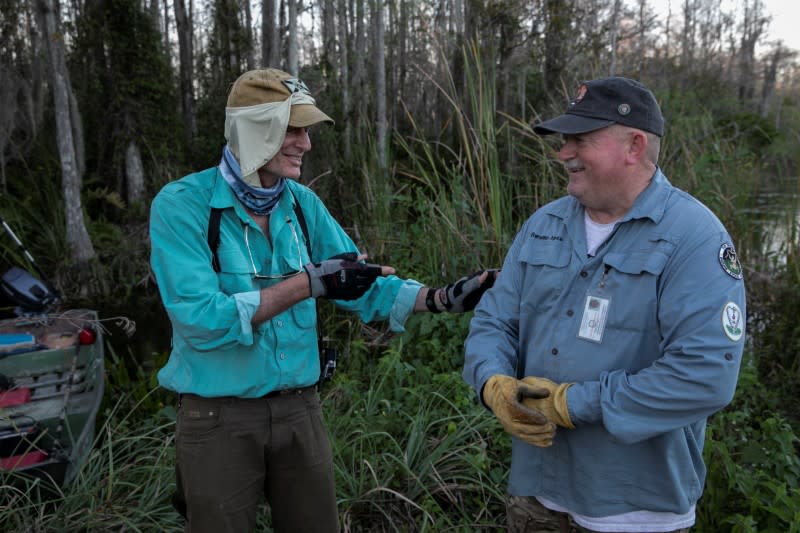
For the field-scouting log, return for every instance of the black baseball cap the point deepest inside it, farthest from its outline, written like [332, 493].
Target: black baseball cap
[604, 102]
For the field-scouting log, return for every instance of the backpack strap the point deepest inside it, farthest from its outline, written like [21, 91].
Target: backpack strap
[298, 212]
[214, 218]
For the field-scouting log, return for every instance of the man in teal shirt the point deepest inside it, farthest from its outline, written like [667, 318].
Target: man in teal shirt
[619, 319]
[244, 357]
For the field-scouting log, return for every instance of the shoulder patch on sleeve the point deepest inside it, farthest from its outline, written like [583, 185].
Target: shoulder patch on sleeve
[732, 321]
[730, 261]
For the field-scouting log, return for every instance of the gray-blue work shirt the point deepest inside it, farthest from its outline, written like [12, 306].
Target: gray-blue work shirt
[651, 332]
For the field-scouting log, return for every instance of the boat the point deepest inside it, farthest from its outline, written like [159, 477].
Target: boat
[51, 387]
[52, 379]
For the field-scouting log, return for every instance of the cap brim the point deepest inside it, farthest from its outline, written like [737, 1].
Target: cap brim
[305, 115]
[571, 125]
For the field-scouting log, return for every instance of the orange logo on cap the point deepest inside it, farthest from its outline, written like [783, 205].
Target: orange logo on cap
[581, 93]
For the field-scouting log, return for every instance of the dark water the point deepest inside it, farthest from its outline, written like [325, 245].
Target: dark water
[152, 334]
[774, 219]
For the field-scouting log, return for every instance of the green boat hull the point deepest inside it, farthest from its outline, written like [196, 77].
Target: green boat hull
[66, 383]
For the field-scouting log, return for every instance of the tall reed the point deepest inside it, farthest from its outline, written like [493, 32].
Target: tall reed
[466, 201]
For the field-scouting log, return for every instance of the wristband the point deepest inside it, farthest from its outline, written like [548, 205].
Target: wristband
[430, 301]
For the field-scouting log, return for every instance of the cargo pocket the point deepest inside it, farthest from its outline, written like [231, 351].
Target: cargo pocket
[304, 314]
[546, 269]
[632, 284]
[236, 271]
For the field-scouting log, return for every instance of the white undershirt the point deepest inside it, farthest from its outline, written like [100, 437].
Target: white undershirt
[634, 522]
[596, 234]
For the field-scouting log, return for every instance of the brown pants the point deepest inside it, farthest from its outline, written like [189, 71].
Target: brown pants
[526, 515]
[231, 452]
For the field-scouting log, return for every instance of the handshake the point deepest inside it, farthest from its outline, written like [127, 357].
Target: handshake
[346, 277]
[528, 408]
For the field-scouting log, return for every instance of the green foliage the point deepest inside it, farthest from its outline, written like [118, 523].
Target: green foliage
[753, 130]
[412, 452]
[776, 290]
[137, 395]
[753, 482]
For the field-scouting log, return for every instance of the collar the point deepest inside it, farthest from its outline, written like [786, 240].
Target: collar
[651, 203]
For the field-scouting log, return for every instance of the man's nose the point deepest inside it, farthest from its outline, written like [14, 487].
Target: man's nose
[567, 151]
[304, 141]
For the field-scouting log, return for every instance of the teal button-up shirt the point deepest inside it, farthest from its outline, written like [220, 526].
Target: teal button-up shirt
[646, 376]
[215, 349]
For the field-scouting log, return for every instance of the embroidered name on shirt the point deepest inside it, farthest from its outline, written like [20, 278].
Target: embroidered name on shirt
[546, 237]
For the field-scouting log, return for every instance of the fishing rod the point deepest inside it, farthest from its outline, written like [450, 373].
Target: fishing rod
[21, 246]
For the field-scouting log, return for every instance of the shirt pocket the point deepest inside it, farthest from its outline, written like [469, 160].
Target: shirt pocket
[304, 314]
[545, 270]
[235, 271]
[632, 283]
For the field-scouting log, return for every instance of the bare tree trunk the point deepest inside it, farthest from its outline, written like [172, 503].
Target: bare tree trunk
[250, 60]
[557, 38]
[38, 70]
[184, 25]
[688, 38]
[400, 63]
[80, 244]
[76, 122]
[270, 36]
[291, 56]
[359, 70]
[328, 62]
[282, 27]
[771, 67]
[134, 173]
[345, 78]
[379, 72]
[167, 47]
[753, 27]
[613, 33]
[155, 12]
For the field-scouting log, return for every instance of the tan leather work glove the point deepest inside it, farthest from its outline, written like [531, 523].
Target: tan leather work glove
[553, 406]
[503, 395]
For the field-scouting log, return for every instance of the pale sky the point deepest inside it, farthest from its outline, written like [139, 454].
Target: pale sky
[785, 15]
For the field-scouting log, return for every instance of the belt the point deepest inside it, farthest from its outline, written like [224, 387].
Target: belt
[290, 392]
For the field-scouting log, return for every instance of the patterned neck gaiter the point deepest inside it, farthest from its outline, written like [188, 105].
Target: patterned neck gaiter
[259, 200]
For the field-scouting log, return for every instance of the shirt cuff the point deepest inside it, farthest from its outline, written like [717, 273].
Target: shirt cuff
[583, 403]
[246, 305]
[403, 305]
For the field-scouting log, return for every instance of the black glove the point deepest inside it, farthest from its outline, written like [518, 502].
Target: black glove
[462, 295]
[341, 277]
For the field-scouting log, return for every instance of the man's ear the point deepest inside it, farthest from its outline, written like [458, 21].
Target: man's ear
[637, 147]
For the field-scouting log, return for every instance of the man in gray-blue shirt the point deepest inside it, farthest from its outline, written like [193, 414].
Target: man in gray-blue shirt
[619, 315]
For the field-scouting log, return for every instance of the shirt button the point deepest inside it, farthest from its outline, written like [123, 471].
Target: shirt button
[554, 351]
[584, 274]
[283, 355]
[570, 312]
[280, 323]
[728, 356]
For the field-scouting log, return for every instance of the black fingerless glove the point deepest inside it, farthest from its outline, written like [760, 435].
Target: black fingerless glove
[341, 277]
[462, 295]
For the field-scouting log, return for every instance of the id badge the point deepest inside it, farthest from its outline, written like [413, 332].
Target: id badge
[595, 315]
